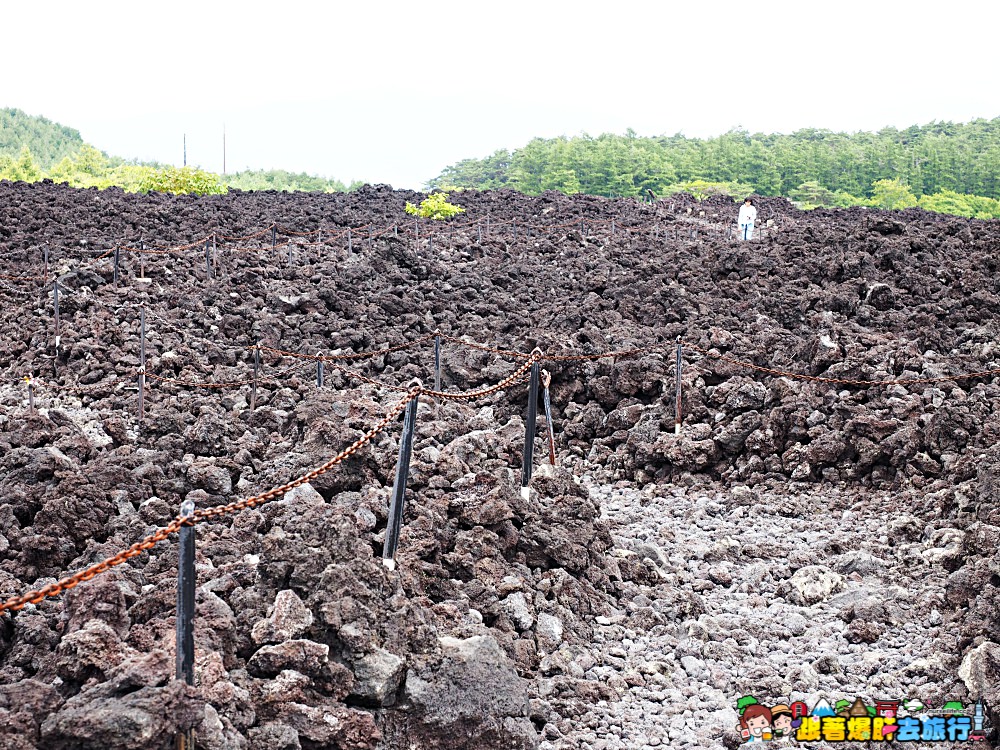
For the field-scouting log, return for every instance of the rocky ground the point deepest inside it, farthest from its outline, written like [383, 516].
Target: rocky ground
[799, 537]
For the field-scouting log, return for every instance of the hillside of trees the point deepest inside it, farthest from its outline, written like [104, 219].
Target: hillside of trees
[942, 166]
[34, 148]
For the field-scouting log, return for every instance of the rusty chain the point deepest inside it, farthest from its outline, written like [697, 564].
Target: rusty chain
[838, 381]
[64, 584]
[54, 589]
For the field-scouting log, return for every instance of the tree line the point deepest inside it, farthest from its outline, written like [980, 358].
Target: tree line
[951, 167]
[34, 148]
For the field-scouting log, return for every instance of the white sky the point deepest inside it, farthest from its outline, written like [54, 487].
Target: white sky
[393, 92]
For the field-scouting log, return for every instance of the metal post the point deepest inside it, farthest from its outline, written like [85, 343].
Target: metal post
[546, 381]
[274, 236]
[479, 232]
[215, 247]
[289, 252]
[515, 231]
[208, 260]
[350, 245]
[256, 370]
[45, 258]
[677, 398]
[185, 612]
[55, 304]
[31, 394]
[437, 362]
[529, 431]
[142, 259]
[396, 504]
[371, 238]
[142, 363]
[114, 277]
[319, 372]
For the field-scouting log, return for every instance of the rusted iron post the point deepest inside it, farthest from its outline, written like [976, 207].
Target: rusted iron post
[396, 503]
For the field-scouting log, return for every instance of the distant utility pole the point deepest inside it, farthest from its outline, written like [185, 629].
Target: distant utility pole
[223, 148]
[185, 150]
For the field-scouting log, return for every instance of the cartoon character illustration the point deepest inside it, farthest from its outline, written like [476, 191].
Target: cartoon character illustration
[782, 722]
[755, 723]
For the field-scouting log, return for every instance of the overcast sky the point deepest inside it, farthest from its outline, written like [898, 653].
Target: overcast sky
[394, 92]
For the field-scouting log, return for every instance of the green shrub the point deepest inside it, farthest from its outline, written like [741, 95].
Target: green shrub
[434, 206]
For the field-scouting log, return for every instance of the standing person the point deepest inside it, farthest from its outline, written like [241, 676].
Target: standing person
[747, 217]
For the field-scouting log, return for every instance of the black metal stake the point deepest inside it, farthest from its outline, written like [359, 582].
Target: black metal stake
[208, 260]
[350, 245]
[274, 236]
[45, 258]
[396, 504]
[437, 362]
[479, 232]
[319, 372]
[185, 611]
[529, 431]
[55, 304]
[546, 381]
[215, 247]
[142, 259]
[115, 276]
[677, 398]
[142, 363]
[31, 394]
[256, 370]
[289, 252]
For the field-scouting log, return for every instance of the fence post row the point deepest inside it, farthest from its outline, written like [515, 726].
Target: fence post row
[677, 397]
[185, 612]
[396, 504]
[547, 403]
[529, 429]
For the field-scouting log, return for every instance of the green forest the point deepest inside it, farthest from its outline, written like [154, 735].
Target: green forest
[34, 148]
[946, 167]
[943, 166]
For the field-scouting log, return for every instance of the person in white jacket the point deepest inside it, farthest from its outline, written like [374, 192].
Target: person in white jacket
[747, 217]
